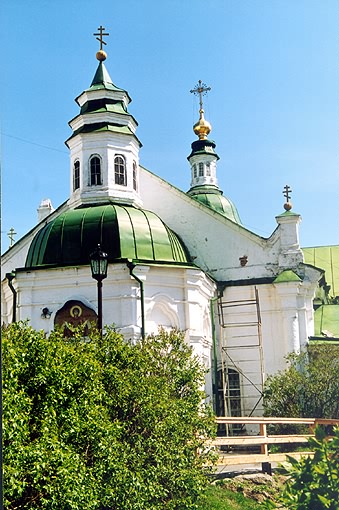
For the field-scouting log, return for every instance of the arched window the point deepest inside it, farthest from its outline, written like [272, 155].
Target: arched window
[135, 182]
[76, 175]
[195, 171]
[95, 171]
[201, 169]
[208, 169]
[120, 171]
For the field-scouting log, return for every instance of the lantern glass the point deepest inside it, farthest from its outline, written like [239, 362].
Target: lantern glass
[99, 263]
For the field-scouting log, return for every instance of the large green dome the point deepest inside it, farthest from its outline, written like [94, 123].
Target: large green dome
[124, 232]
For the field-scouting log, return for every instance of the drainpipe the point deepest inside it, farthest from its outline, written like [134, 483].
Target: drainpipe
[131, 267]
[215, 358]
[10, 277]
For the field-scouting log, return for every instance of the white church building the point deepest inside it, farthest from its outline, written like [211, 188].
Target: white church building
[175, 259]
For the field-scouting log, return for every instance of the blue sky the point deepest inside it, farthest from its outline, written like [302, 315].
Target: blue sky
[273, 69]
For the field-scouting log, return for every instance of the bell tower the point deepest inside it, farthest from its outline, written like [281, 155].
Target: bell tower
[104, 149]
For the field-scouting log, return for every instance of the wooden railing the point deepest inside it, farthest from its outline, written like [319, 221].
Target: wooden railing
[231, 455]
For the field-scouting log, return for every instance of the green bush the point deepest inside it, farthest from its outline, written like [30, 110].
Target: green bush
[309, 387]
[102, 424]
[313, 483]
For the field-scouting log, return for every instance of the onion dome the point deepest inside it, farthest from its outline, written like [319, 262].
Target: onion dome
[202, 128]
[124, 232]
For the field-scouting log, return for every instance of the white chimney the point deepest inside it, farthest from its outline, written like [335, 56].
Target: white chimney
[45, 209]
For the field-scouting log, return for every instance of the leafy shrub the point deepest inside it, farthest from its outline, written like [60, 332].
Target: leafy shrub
[309, 387]
[101, 424]
[313, 482]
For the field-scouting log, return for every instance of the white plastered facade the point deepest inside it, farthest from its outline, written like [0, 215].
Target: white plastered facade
[175, 296]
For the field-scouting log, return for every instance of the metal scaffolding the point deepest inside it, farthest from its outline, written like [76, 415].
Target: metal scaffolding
[240, 332]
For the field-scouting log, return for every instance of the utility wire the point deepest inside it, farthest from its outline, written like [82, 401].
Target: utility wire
[34, 143]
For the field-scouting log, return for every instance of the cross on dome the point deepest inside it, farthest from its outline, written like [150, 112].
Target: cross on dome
[200, 89]
[202, 128]
[101, 54]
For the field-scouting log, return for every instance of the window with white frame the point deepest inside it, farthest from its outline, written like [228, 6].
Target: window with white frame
[76, 175]
[201, 169]
[95, 171]
[135, 176]
[120, 171]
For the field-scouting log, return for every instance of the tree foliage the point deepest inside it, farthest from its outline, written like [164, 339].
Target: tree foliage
[100, 423]
[309, 387]
[313, 483]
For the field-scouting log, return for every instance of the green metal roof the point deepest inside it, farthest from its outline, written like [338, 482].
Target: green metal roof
[326, 321]
[104, 105]
[214, 199]
[287, 276]
[99, 127]
[102, 79]
[203, 147]
[326, 258]
[124, 232]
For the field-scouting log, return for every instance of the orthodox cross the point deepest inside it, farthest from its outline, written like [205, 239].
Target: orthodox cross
[201, 89]
[11, 235]
[286, 192]
[101, 34]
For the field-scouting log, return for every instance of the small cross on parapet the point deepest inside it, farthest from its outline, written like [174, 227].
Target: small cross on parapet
[287, 191]
[11, 235]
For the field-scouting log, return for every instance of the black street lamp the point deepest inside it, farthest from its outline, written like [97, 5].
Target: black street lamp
[99, 262]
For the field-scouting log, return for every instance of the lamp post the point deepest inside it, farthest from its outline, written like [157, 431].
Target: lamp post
[99, 262]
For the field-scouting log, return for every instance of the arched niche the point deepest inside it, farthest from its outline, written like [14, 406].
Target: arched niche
[162, 313]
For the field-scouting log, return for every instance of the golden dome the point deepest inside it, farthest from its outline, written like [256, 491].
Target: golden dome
[202, 128]
[101, 55]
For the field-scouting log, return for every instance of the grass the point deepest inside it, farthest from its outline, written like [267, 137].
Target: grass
[243, 492]
[219, 498]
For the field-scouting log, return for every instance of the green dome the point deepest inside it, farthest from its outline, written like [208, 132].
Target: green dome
[214, 199]
[124, 232]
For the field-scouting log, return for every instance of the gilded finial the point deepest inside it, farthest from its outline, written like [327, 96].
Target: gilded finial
[202, 128]
[286, 193]
[101, 54]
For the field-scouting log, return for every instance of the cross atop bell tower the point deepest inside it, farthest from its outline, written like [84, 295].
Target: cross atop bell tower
[101, 34]
[101, 54]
